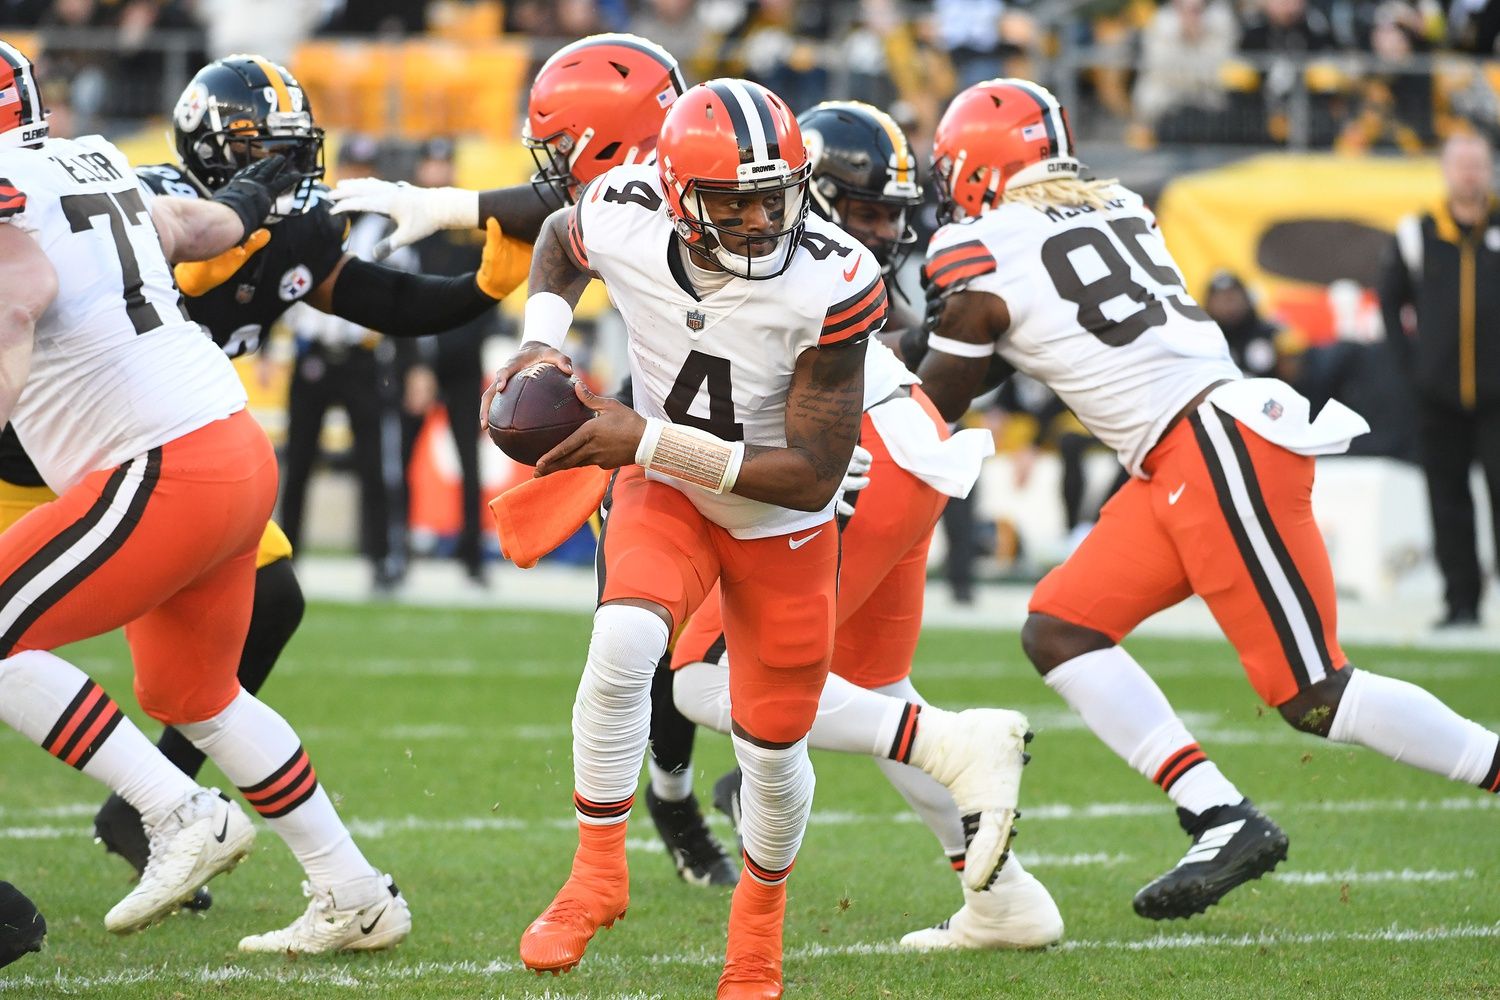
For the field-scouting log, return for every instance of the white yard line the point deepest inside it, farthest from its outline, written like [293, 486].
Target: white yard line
[1363, 878]
[352, 977]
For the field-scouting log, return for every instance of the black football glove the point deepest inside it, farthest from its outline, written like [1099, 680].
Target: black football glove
[253, 191]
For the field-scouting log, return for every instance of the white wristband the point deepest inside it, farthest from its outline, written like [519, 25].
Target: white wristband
[691, 455]
[959, 348]
[454, 208]
[548, 317]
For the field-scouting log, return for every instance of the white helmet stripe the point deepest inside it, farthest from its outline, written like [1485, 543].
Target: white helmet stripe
[25, 81]
[753, 118]
[1051, 109]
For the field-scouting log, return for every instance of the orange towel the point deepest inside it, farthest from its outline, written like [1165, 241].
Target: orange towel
[540, 514]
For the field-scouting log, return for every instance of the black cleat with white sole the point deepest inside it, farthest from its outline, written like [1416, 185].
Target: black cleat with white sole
[1231, 846]
[696, 852]
[118, 827]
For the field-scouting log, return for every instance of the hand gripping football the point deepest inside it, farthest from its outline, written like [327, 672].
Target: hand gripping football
[535, 412]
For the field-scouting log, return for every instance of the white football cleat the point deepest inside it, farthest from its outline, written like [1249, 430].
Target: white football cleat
[1016, 913]
[204, 836]
[363, 914]
[977, 755]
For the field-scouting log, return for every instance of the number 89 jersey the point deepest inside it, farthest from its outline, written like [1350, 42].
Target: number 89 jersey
[1098, 312]
[116, 369]
[722, 360]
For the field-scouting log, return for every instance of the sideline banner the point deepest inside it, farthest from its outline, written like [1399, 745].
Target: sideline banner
[1306, 232]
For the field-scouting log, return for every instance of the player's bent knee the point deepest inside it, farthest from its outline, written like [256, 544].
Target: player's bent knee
[644, 605]
[1312, 709]
[177, 704]
[776, 721]
[701, 693]
[1050, 641]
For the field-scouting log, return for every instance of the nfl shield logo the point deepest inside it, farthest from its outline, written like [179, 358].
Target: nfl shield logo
[694, 320]
[1272, 409]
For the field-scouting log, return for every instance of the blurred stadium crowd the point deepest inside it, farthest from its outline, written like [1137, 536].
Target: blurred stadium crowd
[1154, 89]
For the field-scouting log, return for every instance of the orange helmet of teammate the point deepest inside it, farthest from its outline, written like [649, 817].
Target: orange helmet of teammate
[595, 104]
[22, 120]
[735, 136]
[996, 135]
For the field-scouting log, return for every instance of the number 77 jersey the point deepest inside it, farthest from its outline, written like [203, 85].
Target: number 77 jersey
[1098, 312]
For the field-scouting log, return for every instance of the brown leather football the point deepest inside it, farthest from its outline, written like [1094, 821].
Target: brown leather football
[535, 412]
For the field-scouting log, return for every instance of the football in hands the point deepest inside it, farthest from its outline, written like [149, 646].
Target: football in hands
[535, 412]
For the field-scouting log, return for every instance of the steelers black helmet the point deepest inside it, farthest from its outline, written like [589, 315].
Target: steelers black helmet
[241, 108]
[859, 153]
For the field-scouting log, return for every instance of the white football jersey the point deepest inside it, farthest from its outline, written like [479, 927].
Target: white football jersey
[1098, 312]
[116, 369]
[722, 361]
[884, 373]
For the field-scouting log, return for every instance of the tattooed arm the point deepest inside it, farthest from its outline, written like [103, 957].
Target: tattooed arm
[824, 407]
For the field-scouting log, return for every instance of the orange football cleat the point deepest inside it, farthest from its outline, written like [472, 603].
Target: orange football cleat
[596, 894]
[752, 965]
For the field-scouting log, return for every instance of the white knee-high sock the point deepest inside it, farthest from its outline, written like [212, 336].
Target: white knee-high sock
[850, 719]
[1411, 726]
[258, 750]
[701, 692]
[612, 712]
[1123, 706]
[922, 792]
[775, 799]
[55, 705]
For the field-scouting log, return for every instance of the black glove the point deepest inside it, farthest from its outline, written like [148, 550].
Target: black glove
[251, 192]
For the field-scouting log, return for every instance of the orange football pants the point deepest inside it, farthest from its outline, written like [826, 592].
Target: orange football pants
[778, 596]
[882, 575]
[1226, 515]
[163, 545]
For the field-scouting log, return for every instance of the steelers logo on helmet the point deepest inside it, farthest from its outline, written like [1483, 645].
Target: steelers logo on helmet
[996, 136]
[735, 173]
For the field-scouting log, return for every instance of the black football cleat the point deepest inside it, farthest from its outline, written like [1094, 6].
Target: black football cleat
[727, 796]
[699, 858]
[21, 926]
[1231, 846]
[118, 827]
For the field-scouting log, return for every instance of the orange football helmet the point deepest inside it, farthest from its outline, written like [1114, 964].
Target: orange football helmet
[734, 135]
[595, 104]
[22, 120]
[996, 135]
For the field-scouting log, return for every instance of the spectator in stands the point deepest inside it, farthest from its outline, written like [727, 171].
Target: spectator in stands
[448, 369]
[1252, 338]
[672, 24]
[1445, 266]
[1287, 31]
[969, 31]
[1474, 26]
[1395, 98]
[779, 43]
[1177, 90]
[270, 28]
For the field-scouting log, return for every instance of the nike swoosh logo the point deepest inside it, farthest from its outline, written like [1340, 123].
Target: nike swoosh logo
[223, 831]
[1172, 497]
[797, 543]
[365, 929]
[849, 274]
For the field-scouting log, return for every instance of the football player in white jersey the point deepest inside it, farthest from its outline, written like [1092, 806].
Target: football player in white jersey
[864, 177]
[164, 481]
[1069, 281]
[747, 326]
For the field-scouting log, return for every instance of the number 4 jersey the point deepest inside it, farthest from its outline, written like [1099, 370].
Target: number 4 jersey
[722, 360]
[1097, 311]
[116, 369]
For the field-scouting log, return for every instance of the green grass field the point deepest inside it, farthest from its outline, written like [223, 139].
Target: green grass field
[444, 737]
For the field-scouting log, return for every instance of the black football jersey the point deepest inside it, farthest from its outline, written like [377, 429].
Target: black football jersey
[302, 252]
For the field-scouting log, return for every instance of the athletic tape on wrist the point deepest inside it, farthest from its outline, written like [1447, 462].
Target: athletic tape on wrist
[959, 348]
[688, 454]
[548, 317]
